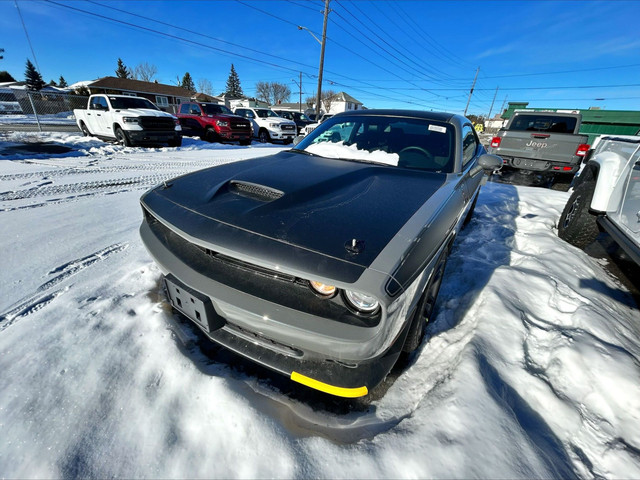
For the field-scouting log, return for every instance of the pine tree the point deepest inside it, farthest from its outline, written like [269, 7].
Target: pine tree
[33, 78]
[6, 77]
[187, 83]
[122, 71]
[53, 83]
[233, 84]
[62, 83]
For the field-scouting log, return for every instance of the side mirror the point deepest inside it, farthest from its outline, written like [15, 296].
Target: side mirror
[490, 163]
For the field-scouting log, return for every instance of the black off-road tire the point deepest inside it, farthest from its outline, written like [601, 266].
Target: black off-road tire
[576, 225]
[85, 130]
[121, 137]
[264, 136]
[424, 310]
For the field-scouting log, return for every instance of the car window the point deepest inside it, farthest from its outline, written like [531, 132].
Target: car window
[469, 144]
[99, 103]
[212, 109]
[184, 108]
[412, 143]
[543, 123]
[195, 110]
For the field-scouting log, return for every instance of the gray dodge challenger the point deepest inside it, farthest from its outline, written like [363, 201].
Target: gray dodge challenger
[322, 262]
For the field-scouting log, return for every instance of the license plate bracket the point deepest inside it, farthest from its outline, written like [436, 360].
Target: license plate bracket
[196, 306]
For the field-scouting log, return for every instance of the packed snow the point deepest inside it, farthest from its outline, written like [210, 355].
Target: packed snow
[530, 368]
[340, 150]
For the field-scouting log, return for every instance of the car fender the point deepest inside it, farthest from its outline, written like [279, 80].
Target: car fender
[609, 166]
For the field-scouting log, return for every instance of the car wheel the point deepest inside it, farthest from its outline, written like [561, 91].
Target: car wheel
[263, 136]
[122, 138]
[576, 225]
[85, 130]
[425, 307]
[210, 135]
[176, 142]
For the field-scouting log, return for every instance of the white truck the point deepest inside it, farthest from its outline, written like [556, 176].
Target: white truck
[606, 196]
[129, 121]
[267, 125]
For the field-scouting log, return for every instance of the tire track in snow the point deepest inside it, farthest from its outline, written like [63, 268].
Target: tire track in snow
[43, 294]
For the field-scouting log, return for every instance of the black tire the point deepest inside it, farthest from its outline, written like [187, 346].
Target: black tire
[122, 138]
[177, 142]
[425, 306]
[576, 225]
[263, 136]
[210, 135]
[85, 130]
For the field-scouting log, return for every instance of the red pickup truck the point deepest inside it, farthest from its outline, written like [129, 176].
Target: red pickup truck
[213, 123]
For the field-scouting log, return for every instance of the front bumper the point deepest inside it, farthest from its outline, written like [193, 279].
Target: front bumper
[254, 329]
[152, 137]
[280, 135]
[542, 166]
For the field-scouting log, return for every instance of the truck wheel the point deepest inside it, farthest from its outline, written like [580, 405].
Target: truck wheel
[85, 130]
[576, 225]
[210, 135]
[176, 142]
[263, 136]
[122, 138]
[424, 310]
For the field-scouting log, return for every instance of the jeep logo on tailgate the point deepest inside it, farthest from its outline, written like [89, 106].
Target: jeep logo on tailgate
[536, 144]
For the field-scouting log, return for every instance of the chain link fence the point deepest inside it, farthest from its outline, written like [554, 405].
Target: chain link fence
[21, 110]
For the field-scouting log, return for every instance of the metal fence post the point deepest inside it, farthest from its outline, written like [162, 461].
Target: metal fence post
[34, 111]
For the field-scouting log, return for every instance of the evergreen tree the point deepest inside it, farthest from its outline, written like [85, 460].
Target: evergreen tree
[187, 83]
[6, 77]
[33, 78]
[233, 84]
[62, 83]
[122, 71]
[53, 83]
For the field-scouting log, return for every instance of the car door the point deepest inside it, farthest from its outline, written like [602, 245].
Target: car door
[471, 150]
[101, 117]
[188, 121]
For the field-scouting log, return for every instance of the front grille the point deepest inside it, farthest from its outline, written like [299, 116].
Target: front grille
[256, 281]
[255, 192]
[288, 128]
[157, 123]
[240, 126]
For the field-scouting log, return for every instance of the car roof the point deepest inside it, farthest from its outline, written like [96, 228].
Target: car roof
[436, 116]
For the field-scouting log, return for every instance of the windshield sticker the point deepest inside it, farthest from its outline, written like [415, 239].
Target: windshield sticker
[437, 128]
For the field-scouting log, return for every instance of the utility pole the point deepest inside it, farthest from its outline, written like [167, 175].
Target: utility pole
[471, 91]
[503, 102]
[324, 41]
[492, 101]
[299, 85]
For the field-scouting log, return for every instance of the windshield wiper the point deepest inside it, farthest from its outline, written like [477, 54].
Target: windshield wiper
[297, 150]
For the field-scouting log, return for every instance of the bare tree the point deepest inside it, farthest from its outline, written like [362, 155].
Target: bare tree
[145, 72]
[327, 99]
[310, 101]
[272, 92]
[204, 86]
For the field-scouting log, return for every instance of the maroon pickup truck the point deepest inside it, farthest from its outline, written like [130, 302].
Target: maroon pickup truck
[213, 123]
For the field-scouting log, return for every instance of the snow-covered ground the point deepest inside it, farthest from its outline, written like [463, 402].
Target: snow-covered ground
[531, 368]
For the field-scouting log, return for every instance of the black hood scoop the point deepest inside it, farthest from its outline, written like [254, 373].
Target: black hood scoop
[254, 191]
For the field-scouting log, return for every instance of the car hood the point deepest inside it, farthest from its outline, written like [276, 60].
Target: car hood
[278, 120]
[144, 112]
[317, 204]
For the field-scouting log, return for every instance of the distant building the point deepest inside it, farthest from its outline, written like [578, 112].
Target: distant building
[166, 97]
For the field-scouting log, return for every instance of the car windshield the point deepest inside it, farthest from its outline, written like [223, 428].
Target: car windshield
[212, 109]
[303, 117]
[122, 103]
[264, 113]
[404, 142]
[544, 123]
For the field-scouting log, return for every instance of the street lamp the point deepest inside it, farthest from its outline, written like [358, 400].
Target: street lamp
[322, 43]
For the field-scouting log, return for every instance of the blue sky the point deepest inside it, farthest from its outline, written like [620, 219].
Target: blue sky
[386, 54]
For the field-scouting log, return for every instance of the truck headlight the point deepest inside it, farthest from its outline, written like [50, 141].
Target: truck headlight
[361, 302]
[131, 120]
[222, 123]
[274, 125]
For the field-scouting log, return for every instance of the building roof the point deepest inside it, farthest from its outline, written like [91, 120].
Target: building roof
[138, 86]
[345, 97]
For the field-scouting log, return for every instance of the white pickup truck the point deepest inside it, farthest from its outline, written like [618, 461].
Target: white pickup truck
[267, 125]
[129, 121]
[606, 196]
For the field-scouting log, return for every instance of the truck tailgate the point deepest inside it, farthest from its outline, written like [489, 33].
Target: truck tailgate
[554, 147]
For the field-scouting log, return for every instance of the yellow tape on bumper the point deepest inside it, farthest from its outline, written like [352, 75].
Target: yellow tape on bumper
[325, 387]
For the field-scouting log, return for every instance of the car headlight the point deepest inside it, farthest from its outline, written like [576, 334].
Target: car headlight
[222, 123]
[323, 289]
[274, 125]
[361, 302]
[130, 120]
